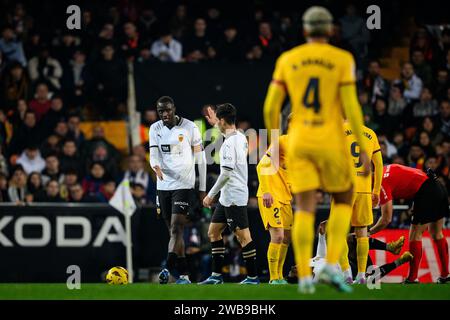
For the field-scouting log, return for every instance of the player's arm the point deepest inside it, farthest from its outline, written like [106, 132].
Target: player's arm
[155, 161]
[377, 160]
[200, 158]
[265, 170]
[385, 218]
[352, 109]
[275, 98]
[221, 181]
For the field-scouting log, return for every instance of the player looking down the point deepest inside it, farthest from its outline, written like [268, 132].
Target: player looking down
[232, 184]
[429, 212]
[274, 202]
[175, 148]
[320, 81]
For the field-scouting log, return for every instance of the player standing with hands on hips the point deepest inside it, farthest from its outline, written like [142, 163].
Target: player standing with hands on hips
[175, 148]
[232, 207]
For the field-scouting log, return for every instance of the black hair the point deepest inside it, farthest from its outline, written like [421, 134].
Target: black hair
[165, 101]
[227, 112]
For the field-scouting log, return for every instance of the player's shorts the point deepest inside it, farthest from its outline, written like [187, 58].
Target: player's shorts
[430, 203]
[234, 216]
[326, 169]
[279, 215]
[362, 214]
[169, 202]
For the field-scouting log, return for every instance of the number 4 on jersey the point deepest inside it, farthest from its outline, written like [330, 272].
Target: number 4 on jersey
[311, 96]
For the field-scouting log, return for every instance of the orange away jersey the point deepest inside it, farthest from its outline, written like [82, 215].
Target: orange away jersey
[312, 74]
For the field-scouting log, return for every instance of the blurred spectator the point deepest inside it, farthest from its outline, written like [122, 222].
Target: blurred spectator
[98, 139]
[95, 179]
[61, 129]
[214, 21]
[51, 145]
[135, 173]
[110, 76]
[73, 123]
[102, 156]
[17, 116]
[445, 118]
[267, 41]
[425, 143]
[70, 179]
[15, 86]
[107, 190]
[416, 156]
[76, 194]
[396, 101]
[41, 102]
[423, 41]
[410, 82]
[11, 48]
[26, 134]
[385, 122]
[52, 170]
[33, 44]
[4, 197]
[229, 47]
[132, 40]
[288, 32]
[31, 160]
[17, 189]
[147, 23]
[367, 110]
[428, 125]
[255, 53]
[139, 193]
[69, 158]
[400, 144]
[51, 194]
[198, 46]
[44, 68]
[55, 114]
[167, 49]
[179, 22]
[374, 83]
[441, 84]
[3, 163]
[354, 31]
[421, 67]
[426, 106]
[65, 48]
[77, 80]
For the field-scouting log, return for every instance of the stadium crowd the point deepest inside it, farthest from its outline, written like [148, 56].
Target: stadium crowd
[53, 79]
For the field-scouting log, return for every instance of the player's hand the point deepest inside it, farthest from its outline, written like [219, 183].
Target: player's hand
[375, 200]
[365, 163]
[207, 202]
[211, 116]
[267, 200]
[158, 172]
[322, 227]
[202, 195]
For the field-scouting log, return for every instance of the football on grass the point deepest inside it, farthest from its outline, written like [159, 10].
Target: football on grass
[117, 275]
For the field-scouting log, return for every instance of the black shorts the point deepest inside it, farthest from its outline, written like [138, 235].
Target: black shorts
[430, 203]
[173, 202]
[235, 216]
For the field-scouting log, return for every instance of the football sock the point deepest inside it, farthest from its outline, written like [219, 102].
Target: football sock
[343, 259]
[362, 252]
[442, 247]
[375, 244]
[172, 258]
[218, 255]
[273, 256]
[415, 247]
[386, 268]
[249, 255]
[321, 246]
[303, 241]
[282, 257]
[337, 229]
[182, 265]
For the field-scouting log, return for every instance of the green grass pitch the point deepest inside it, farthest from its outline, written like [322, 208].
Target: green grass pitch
[145, 291]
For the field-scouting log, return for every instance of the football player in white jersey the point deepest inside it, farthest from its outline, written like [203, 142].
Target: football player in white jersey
[175, 148]
[232, 184]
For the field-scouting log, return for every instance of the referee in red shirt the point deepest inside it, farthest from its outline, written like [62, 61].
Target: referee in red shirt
[430, 209]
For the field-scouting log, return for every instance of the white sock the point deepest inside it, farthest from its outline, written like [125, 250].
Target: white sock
[305, 280]
[360, 275]
[321, 246]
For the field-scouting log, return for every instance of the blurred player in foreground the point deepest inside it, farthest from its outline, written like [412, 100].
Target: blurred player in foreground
[320, 81]
[364, 198]
[232, 184]
[429, 212]
[175, 148]
[394, 247]
[274, 202]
